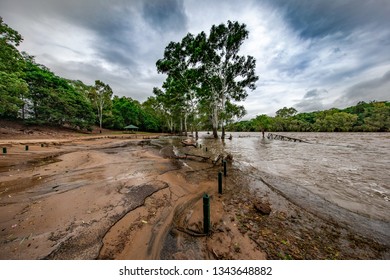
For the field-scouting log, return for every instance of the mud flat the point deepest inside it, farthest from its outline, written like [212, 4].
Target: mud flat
[121, 198]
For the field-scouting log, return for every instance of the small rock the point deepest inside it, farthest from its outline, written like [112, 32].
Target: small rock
[263, 207]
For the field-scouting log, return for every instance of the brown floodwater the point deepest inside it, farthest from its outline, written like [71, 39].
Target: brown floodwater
[341, 177]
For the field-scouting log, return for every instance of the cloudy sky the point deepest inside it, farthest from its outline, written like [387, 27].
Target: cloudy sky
[311, 54]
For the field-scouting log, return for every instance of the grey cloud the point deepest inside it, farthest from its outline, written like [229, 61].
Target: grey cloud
[165, 16]
[312, 101]
[319, 18]
[376, 89]
[311, 94]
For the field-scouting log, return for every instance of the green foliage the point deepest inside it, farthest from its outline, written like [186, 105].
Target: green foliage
[54, 100]
[100, 96]
[286, 112]
[126, 111]
[34, 93]
[12, 87]
[12, 90]
[373, 116]
[205, 76]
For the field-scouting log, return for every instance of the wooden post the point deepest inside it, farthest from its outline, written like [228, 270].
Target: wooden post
[220, 182]
[206, 214]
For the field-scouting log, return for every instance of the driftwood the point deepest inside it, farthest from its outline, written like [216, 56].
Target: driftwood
[186, 144]
[284, 138]
[217, 159]
[191, 232]
[202, 157]
[186, 156]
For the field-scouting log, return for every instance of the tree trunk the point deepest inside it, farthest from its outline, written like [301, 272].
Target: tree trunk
[185, 125]
[215, 122]
[215, 132]
[223, 121]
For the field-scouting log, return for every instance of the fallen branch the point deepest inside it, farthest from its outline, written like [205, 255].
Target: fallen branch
[217, 159]
[202, 157]
[191, 232]
[284, 138]
[186, 144]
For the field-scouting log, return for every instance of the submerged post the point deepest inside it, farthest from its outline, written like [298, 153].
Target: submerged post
[220, 182]
[224, 168]
[206, 213]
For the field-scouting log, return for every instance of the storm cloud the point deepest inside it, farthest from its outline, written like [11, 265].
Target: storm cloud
[311, 54]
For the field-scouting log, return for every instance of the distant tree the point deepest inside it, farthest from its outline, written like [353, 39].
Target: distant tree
[263, 123]
[378, 117]
[168, 102]
[286, 112]
[54, 100]
[151, 115]
[100, 95]
[335, 121]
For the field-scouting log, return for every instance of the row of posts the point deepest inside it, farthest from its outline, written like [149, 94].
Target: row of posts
[25, 148]
[206, 201]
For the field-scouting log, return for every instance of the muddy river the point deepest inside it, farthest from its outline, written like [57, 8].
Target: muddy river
[342, 177]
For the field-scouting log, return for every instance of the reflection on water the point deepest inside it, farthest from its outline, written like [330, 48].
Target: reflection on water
[340, 176]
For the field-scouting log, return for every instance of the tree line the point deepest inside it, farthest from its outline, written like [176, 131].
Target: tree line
[365, 117]
[205, 76]
[31, 92]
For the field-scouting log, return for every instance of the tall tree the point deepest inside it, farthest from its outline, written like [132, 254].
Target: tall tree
[181, 83]
[226, 74]
[208, 74]
[100, 95]
[12, 86]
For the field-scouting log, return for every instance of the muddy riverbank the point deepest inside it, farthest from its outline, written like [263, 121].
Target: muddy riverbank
[121, 198]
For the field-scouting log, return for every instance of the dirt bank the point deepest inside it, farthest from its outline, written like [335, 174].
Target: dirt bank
[117, 197]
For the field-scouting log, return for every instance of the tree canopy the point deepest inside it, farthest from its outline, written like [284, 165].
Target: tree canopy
[31, 92]
[205, 75]
[371, 117]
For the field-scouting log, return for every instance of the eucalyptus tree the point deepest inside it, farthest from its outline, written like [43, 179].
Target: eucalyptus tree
[170, 104]
[226, 74]
[181, 83]
[100, 95]
[208, 73]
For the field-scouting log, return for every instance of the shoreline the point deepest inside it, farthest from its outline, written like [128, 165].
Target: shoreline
[118, 198]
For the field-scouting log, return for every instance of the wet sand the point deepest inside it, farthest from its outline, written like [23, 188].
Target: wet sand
[122, 198]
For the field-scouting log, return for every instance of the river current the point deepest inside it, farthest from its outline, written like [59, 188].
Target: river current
[342, 177]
